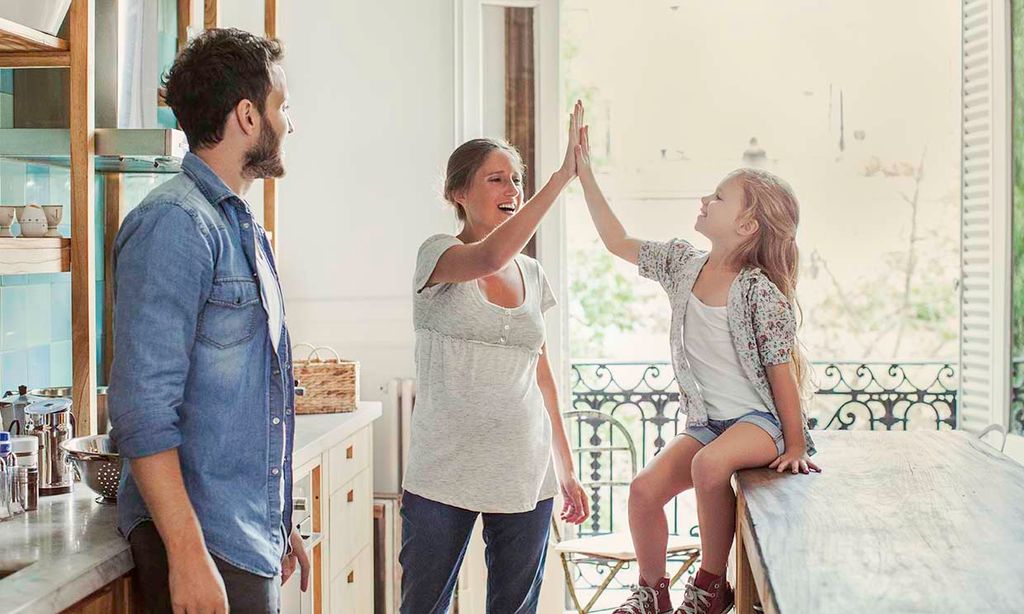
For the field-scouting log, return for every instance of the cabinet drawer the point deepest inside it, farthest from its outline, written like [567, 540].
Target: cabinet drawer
[352, 590]
[351, 526]
[348, 458]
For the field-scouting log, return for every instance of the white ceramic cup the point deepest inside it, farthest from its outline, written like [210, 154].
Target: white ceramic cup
[6, 219]
[54, 214]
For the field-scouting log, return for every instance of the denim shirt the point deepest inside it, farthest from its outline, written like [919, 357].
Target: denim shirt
[194, 368]
[762, 323]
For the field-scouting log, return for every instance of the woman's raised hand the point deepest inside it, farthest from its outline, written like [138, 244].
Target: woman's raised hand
[568, 168]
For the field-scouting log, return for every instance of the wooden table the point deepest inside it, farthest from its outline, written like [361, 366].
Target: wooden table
[919, 521]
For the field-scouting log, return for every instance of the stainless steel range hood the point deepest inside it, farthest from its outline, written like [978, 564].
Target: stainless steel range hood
[118, 150]
[129, 138]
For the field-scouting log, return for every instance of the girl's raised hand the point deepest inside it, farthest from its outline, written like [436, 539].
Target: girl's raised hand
[583, 168]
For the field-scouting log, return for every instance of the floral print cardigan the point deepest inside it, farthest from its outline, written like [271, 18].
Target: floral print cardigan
[762, 322]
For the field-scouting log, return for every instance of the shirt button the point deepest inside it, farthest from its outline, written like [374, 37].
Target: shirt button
[275, 471]
[503, 340]
[506, 327]
[288, 411]
[245, 225]
[277, 371]
[276, 420]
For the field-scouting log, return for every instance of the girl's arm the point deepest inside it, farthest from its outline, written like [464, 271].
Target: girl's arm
[576, 505]
[787, 403]
[461, 263]
[613, 234]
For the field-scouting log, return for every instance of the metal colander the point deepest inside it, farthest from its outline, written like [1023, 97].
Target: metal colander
[98, 463]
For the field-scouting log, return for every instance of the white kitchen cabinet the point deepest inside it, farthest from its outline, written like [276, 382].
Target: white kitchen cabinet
[337, 459]
[352, 590]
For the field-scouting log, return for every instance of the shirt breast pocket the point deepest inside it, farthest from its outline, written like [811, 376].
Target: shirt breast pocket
[230, 315]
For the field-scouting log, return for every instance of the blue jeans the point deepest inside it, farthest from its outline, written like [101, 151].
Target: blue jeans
[768, 423]
[435, 537]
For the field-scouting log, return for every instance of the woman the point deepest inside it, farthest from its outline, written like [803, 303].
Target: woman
[487, 435]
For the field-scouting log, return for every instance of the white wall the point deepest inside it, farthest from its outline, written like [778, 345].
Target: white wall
[371, 88]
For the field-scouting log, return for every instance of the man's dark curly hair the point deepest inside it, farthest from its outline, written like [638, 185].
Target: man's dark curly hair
[216, 71]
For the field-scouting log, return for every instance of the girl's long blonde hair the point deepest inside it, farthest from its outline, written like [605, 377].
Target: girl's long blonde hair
[768, 200]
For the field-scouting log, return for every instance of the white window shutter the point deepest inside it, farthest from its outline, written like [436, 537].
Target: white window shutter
[985, 215]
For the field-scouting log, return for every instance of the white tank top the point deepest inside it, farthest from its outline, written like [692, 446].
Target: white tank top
[727, 392]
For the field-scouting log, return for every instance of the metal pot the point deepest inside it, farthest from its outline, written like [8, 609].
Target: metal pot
[52, 422]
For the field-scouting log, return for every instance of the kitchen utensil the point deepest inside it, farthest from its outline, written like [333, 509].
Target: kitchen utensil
[98, 463]
[51, 421]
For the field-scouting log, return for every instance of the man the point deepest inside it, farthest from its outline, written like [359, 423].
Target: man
[201, 389]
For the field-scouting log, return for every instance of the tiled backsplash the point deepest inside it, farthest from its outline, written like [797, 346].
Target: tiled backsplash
[35, 310]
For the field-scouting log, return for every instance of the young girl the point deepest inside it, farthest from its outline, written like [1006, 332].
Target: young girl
[736, 360]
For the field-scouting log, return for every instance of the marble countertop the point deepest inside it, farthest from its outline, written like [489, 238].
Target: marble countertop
[69, 548]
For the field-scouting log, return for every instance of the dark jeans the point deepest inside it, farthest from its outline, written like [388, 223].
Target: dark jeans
[246, 591]
[435, 537]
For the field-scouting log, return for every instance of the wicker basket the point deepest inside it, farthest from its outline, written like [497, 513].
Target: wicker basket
[325, 386]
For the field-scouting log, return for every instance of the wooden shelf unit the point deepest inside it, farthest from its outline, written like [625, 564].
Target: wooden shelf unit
[22, 256]
[23, 47]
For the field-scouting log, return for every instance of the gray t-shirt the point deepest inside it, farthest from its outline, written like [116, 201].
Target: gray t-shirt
[481, 437]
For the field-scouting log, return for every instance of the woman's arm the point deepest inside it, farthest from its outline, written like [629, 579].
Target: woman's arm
[461, 263]
[613, 234]
[576, 505]
[787, 403]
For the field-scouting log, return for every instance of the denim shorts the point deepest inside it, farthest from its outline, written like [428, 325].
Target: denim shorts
[767, 421]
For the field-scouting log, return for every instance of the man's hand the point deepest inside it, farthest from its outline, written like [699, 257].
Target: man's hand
[196, 585]
[297, 555]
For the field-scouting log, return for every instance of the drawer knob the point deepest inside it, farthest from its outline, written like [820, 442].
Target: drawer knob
[351, 577]
[350, 452]
[351, 496]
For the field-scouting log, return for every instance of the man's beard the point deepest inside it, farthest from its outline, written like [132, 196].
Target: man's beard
[263, 160]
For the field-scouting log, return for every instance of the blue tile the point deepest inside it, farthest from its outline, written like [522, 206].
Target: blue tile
[7, 81]
[13, 317]
[13, 280]
[60, 363]
[38, 318]
[99, 308]
[60, 190]
[13, 367]
[40, 278]
[39, 367]
[12, 182]
[6, 110]
[99, 361]
[37, 184]
[101, 379]
[60, 312]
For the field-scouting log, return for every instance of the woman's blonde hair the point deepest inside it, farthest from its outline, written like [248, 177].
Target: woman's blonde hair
[769, 201]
